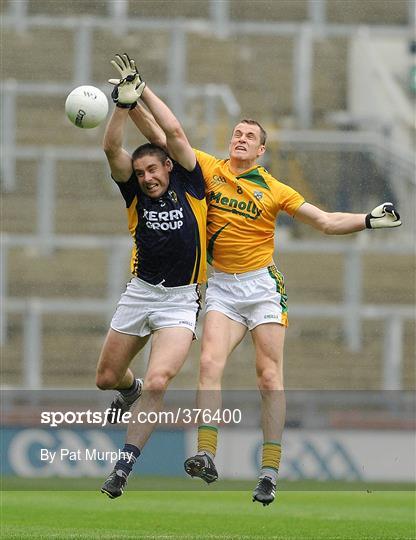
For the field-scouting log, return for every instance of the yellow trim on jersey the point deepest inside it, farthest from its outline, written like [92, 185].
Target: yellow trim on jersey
[132, 220]
[199, 209]
[242, 211]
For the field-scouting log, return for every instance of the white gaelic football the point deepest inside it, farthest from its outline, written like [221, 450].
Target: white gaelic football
[86, 106]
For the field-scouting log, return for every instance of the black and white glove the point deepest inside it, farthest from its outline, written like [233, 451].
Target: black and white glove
[383, 216]
[128, 89]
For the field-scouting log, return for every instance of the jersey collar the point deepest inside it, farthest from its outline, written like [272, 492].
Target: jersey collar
[256, 166]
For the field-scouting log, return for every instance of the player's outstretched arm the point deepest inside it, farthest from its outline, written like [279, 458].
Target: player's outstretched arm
[175, 140]
[126, 92]
[147, 125]
[383, 216]
[142, 118]
[118, 158]
[177, 144]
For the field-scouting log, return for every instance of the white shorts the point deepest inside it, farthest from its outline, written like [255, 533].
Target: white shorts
[251, 298]
[144, 308]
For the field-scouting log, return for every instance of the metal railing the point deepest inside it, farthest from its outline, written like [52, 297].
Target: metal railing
[351, 311]
[177, 91]
[393, 159]
[220, 25]
[212, 96]
[397, 163]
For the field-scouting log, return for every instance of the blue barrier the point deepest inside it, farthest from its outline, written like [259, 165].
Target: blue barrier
[40, 452]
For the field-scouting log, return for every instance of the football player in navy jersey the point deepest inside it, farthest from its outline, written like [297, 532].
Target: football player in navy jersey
[166, 210]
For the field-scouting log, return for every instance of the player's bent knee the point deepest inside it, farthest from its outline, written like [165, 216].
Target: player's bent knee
[210, 370]
[107, 380]
[157, 382]
[270, 379]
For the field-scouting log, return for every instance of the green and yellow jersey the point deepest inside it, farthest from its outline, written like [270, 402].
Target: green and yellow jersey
[242, 211]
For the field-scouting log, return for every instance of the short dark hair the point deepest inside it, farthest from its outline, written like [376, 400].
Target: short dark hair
[263, 134]
[149, 149]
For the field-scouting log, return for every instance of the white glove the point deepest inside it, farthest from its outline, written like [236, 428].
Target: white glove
[383, 216]
[129, 88]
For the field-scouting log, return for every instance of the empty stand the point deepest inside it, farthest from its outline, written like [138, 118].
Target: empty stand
[259, 70]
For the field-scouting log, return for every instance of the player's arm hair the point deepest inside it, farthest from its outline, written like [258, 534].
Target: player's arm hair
[177, 144]
[330, 222]
[147, 125]
[118, 158]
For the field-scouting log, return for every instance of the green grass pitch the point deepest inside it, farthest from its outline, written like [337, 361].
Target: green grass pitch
[208, 514]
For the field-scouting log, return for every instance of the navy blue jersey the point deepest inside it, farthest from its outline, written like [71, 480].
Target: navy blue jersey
[169, 233]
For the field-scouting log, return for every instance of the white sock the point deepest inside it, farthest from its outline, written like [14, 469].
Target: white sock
[204, 452]
[270, 473]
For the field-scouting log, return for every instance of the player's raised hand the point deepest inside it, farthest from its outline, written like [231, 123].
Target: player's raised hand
[383, 216]
[124, 65]
[130, 86]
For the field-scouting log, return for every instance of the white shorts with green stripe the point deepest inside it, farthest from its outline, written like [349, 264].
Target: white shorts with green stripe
[251, 298]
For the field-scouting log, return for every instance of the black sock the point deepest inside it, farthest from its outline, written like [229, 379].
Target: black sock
[127, 461]
[131, 391]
